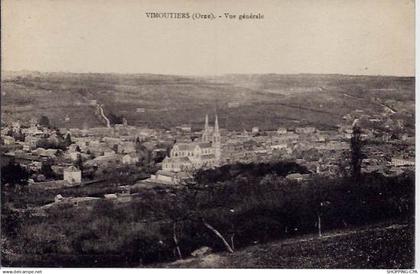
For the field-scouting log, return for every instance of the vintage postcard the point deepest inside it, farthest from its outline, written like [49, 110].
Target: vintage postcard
[208, 134]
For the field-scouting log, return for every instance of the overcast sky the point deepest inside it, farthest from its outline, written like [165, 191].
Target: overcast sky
[300, 36]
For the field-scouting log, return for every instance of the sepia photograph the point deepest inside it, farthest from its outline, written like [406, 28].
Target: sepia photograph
[208, 134]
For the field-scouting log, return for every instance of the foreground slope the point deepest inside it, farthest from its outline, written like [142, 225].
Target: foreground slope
[382, 246]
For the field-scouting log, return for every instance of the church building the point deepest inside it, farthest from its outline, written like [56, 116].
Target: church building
[194, 155]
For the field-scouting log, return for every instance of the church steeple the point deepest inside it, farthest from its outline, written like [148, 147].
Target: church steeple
[206, 124]
[216, 125]
[216, 140]
[206, 131]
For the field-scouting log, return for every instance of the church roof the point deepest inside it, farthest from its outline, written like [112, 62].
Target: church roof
[204, 145]
[72, 169]
[185, 146]
[178, 159]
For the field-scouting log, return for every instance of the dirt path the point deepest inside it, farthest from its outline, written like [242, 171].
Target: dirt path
[101, 112]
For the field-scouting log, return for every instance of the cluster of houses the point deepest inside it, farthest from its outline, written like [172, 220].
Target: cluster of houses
[66, 151]
[322, 151]
[178, 152]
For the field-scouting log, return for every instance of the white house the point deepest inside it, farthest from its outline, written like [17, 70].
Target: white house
[402, 162]
[8, 140]
[169, 177]
[281, 130]
[72, 175]
[129, 159]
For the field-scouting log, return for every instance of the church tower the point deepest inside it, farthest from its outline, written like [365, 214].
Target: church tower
[206, 138]
[216, 141]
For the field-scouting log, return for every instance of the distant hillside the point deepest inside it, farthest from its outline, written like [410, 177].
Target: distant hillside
[241, 101]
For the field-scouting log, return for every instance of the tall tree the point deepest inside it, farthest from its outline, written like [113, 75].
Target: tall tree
[47, 170]
[79, 162]
[67, 140]
[44, 121]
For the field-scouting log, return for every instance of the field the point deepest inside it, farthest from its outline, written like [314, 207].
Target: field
[267, 101]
